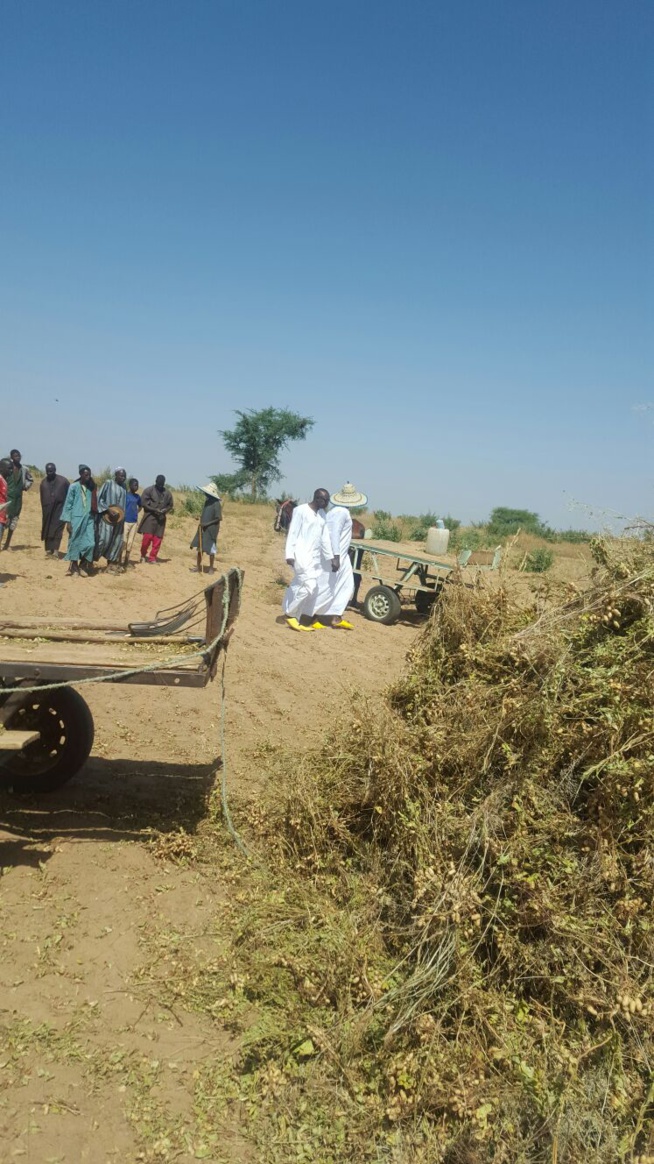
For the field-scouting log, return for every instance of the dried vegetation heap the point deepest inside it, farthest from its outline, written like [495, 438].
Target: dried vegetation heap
[468, 877]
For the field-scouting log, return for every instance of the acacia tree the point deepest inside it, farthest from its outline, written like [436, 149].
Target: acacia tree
[258, 439]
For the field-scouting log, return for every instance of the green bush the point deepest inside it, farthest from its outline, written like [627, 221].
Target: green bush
[471, 538]
[386, 530]
[420, 525]
[576, 536]
[538, 561]
[505, 522]
[193, 503]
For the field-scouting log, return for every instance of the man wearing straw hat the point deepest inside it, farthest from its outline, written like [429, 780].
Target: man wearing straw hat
[206, 538]
[335, 590]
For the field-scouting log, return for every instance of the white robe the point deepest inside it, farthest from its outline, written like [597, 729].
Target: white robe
[336, 590]
[309, 545]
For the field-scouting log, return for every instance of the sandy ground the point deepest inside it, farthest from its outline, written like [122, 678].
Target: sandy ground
[85, 1058]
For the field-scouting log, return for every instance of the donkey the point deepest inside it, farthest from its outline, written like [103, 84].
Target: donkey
[283, 514]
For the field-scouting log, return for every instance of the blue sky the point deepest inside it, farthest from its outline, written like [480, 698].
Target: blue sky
[424, 224]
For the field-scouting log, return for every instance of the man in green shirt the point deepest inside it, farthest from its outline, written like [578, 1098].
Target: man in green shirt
[19, 480]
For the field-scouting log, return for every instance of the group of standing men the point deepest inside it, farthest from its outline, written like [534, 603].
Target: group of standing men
[317, 547]
[101, 523]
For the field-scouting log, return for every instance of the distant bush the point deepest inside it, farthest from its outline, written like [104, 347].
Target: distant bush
[538, 561]
[420, 525]
[193, 503]
[471, 538]
[385, 529]
[573, 535]
[505, 522]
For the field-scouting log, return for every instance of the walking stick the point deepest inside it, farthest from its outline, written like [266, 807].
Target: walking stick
[200, 567]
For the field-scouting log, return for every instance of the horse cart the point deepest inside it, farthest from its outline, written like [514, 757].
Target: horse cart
[46, 727]
[418, 577]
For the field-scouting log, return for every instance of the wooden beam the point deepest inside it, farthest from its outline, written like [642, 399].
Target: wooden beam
[15, 741]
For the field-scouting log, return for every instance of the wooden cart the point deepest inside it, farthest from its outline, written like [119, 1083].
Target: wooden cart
[46, 736]
[419, 577]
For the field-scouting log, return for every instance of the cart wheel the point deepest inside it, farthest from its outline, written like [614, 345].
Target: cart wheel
[65, 724]
[382, 604]
[424, 601]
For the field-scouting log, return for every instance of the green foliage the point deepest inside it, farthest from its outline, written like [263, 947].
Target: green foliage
[576, 536]
[471, 538]
[384, 528]
[423, 523]
[538, 561]
[451, 523]
[193, 503]
[258, 439]
[419, 531]
[231, 484]
[505, 522]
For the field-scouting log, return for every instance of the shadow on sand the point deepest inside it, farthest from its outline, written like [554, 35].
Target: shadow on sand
[110, 800]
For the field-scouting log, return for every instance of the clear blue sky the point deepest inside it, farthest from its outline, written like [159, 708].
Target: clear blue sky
[425, 224]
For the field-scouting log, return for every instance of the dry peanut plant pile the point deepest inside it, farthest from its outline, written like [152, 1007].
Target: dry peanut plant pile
[452, 956]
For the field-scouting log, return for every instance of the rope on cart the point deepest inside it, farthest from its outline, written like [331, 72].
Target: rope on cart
[240, 844]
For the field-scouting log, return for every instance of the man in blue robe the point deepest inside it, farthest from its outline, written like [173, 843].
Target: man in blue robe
[79, 512]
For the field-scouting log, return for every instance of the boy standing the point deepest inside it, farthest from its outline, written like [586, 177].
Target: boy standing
[132, 506]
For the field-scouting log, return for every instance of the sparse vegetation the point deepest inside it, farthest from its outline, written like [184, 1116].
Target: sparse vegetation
[385, 528]
[538, 561]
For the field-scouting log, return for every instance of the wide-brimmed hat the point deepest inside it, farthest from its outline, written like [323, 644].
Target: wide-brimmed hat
[211, 490]
[349, 496]
[113, 515]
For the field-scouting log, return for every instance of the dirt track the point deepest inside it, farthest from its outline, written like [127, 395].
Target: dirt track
[90, 1068]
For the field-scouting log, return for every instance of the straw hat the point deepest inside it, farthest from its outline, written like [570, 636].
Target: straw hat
[349, 496]
[113, 515]
[211, 490]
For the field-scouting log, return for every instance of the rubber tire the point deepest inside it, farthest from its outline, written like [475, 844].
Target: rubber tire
[25, 712]
[424, 602]
[382, 604]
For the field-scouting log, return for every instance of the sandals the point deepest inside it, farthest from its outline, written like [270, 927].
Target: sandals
[296, 626]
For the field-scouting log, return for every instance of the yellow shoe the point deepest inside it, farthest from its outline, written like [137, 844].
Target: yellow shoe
[295, 625]
[343, 625]
[319, 626]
